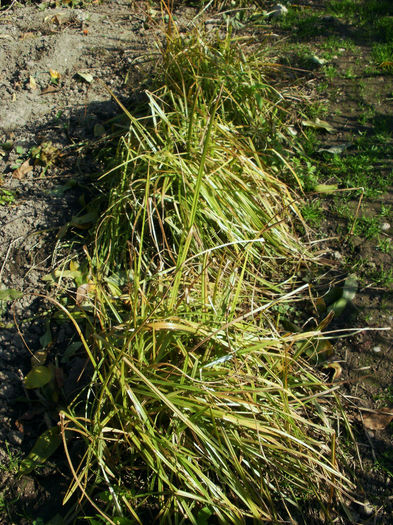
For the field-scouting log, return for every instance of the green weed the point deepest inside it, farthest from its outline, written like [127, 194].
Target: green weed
[6, 197]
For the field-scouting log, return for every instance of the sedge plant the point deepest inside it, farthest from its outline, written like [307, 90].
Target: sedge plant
[199, 409]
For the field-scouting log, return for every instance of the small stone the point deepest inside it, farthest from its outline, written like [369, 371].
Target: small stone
[377, 349]
[385, 227]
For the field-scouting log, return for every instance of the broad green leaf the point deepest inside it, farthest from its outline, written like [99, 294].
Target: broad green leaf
[339, 306]
[46, 337]
[350, 288]
[326, 188]
[56, 520]
[9, 294]
[43, 448]
[38, 377]
[99, 130]
[83, 220]
[203, 516]
[70, 351]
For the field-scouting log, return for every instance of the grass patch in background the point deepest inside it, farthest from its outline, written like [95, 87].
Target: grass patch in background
[199, 406]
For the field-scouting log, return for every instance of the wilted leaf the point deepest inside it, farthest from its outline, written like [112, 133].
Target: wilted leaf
[49, 89]
[87, 77]
[378, 419]
[318, 124]
[324, 349]
[32, 83]
[38, 377]
[43, 448]
[321, 305]
[82, 294]
[20, 172]
[336, 150]
[336, 367]
[387, 64]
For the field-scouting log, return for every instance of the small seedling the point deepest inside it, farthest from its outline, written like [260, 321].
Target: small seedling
[6, 197]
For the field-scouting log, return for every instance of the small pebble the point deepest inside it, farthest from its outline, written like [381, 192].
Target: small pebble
[377, 349]
[385, 227]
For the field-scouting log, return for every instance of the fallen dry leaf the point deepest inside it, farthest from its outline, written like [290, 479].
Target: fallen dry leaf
[49, 89]
[32, 83]
[378, 419]
[82, 294]
[337, 370]
[27, 35]
[20, 172]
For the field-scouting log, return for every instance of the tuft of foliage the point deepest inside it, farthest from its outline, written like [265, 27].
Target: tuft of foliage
[199, 406]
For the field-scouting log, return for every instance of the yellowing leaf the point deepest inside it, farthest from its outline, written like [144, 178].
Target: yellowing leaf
[20, 172]
[74, 266]
[87, 77]
[38, 377]
[318, 124]
[32, 83]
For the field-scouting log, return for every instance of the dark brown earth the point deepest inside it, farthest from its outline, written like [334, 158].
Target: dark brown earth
[114, 43]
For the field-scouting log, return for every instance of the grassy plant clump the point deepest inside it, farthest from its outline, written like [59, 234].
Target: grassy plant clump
[199, 406]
